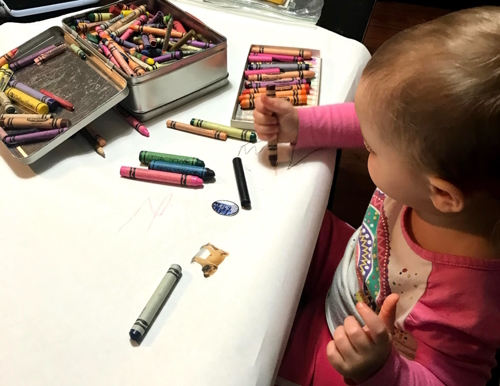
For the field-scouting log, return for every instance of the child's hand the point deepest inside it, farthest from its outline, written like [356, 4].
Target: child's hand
[359, 352]
[275, 117]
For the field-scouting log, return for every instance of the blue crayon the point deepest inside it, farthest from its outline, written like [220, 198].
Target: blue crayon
[202, 172]
[152, 53]
[146, 42]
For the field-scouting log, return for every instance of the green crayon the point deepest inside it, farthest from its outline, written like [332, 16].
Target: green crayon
[166, 18]
[245, 135]
[147, 156]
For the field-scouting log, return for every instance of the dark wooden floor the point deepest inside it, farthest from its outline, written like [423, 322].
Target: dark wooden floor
[354, 187]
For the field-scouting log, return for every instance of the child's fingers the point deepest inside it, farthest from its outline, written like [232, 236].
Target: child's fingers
[264, 119]
[344, 345]
[388, 311]
[269, 106]
[334, 356]
[261, 105]
[376, 326]
[266, 132]
[357, 336]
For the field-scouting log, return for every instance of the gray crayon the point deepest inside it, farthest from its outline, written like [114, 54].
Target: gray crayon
[154, 305]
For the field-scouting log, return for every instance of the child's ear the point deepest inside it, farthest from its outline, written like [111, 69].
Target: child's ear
[445, 196]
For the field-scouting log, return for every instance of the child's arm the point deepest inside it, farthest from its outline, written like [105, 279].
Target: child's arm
[329, 126]
[334, 126]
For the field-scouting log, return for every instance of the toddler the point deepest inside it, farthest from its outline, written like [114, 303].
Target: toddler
[415, 297]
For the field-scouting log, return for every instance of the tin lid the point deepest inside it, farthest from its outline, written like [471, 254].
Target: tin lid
[90, 85]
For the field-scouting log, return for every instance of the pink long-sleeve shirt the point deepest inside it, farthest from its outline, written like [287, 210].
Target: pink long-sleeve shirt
[448, 316]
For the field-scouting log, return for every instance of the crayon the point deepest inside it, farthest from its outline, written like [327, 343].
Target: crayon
[195, 130]
[152, 40]
[86, 27]
[201, 38]
[6, 104]
[138, 70]
[50, 54]
[233, 132]
[188, 53]
[272, 147]
[141, 20]
[53, 105]
[196, 44]
[8, 56]
[145, 41]
[114, 20]
[108, 54]
[147, 156]
[157, 25]
[274, 58]
[293, 74]
[144, 58]
[39, 123]
[77, 50]
[93, 142]
[277, 94]
[167, 35]
[92, 38]
[204, 173]
[138, 62]
[295, 100]
[262, 71]
[281, 51]
[241, 182]
[277, 88]
[132, 121]
[21, 131]
[166, 19]
[156, 176]
[185, 47]
[116, 10]
[124, 43]
[170, 56]
[3, 134]
[20, 63]
[155, 304]
[100, 16]
[127, 19]
[5, 76]
[155, 31]
[5, 116]
[40, 136]
[281, 66]
[64, 103]
[26, 101]
[282, 82]
[183, 40]
[100, 140]
[157, 18]
[153, 52]
[179, 27]
[119, 58]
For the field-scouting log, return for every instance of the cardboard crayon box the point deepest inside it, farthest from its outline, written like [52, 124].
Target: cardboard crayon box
[278, 75]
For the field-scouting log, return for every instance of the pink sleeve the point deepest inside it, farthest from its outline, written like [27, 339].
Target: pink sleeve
[401, 371]
[329, 126]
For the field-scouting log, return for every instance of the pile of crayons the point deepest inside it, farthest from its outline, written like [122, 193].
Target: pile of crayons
[289, 72]
[138, 41]
[169, 169]
[213, 130]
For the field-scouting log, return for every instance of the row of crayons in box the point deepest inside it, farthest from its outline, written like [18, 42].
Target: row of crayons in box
[170, 169]
[280, 73]
[137, 41]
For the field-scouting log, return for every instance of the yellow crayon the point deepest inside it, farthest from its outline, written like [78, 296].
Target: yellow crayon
[27, 101]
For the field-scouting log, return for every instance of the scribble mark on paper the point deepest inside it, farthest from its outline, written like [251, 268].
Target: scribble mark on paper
[156, 213]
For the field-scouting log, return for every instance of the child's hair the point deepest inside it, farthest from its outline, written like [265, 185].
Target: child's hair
[437, 87]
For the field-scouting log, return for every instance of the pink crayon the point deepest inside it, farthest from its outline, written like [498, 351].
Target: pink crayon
[132, 121]
[274, 57]
[158, 176]
[262, 71]
[140, 21]
[108, 55]
[3, 134]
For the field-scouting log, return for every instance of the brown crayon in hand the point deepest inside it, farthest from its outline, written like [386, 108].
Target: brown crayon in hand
[196, 130]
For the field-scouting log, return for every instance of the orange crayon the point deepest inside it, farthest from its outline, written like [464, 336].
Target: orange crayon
[278, 94]
[155, 31]
[306, 54]
[295, 100]
[277, 88]
[196, 130]
[138, 70]
[292, 74]
[8, 56]
[119, 58]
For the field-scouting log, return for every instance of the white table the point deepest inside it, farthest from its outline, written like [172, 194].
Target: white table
[82, 250]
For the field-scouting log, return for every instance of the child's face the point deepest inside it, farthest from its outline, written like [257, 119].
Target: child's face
[389, 168]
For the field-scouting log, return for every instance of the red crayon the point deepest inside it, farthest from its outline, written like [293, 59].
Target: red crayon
[159, 176]
[8, 56]
[179, 27]
[64, 103]
[132, 121]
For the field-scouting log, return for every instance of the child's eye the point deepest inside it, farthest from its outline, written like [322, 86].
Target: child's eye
[368, 148]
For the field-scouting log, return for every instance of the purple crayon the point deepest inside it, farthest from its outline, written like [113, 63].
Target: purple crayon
[23, 62]
[281, 82]
[195, 43]
[21, 131]
[41, 136]
[124, 43]
[157, 19]
[145, 41]
[53, 105]
[167, 57]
